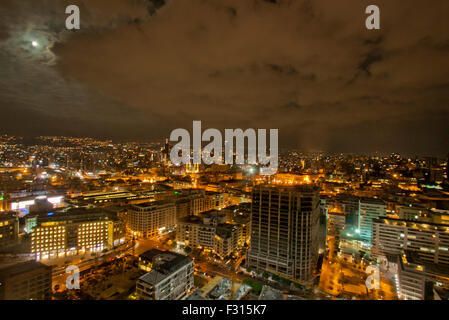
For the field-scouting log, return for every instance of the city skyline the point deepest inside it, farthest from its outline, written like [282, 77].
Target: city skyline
[233, 157]
[310, 69]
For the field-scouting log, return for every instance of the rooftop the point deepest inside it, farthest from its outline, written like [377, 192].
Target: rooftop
[20, 268]
[164, 264]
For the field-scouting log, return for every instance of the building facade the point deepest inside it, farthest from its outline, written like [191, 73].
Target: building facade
[170, 276]
[151, 219]
[26, 281]
[9, 229]
[430, 241]
[285, 231]
[369, 209]
[76, 232]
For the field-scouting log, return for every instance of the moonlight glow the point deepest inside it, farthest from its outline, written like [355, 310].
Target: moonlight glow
[35, 43]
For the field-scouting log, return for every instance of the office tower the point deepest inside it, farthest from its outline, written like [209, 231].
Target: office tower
[151, 219]
[430, 241]
[285, 230]
[369, 209]
[170, 276]
[360, 213]
[25, 281]
[77, 231]
[351, 208]
[165, 152]
[9, 229]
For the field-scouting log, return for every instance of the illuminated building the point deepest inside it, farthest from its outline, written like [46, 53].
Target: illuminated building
[166, 151]
[214, 201]
[429, 240]
[415, 279]
[243, 222]
[360, 213]
[210, 231]
[411, 213]
[285, 231]
[170, 276]
[3, 204]
[411, 283]
[195, 232]
[152, 218]
[188, 202]
[9, 229]
[335, 223]
[23, 205]
[226, 239]
[26, 281]
[192, 168]
[369, 209]
[77, 232]
[113, 197]
[194, 201]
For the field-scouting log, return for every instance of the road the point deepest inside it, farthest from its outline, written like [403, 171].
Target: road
[140, 246]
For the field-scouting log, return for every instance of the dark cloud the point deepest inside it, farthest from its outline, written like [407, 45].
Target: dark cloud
[140, 68]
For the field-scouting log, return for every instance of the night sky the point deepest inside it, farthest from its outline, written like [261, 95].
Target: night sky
[138, 69]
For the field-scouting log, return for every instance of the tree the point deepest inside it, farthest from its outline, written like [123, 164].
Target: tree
[255, 286]
[187, 249]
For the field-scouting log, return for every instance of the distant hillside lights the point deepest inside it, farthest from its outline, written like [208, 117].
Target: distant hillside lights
[212, 153]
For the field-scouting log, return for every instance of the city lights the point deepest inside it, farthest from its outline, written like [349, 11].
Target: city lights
[226, 154]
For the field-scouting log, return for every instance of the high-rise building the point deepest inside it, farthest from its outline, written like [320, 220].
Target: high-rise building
[170, 276]
[369, 209]
[360, 213]
[150, 219]
[285, 230]
[430, 241]
[25, 281]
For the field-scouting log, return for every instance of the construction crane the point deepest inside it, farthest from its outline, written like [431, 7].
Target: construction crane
[233, 270]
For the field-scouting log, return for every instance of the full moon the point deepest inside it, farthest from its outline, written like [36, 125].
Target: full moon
[35, 44]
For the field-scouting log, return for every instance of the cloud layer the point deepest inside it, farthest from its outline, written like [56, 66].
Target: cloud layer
[139, 69]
